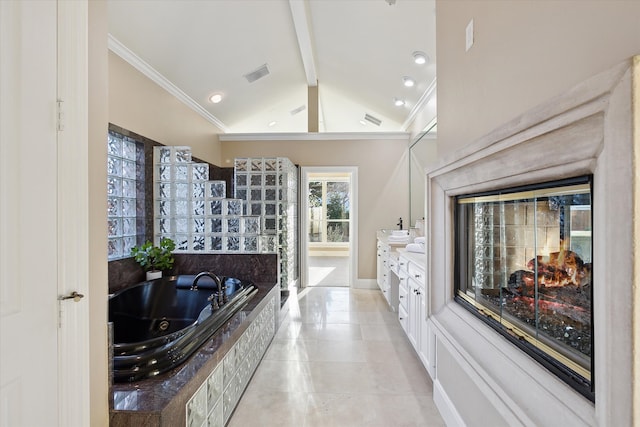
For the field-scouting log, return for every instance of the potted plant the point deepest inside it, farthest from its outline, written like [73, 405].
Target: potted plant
[155, 259]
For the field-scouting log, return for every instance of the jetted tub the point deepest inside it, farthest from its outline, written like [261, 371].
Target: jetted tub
[158, 324]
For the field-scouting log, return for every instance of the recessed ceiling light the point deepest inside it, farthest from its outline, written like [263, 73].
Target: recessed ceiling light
[272, 123]
[408, 81]
[215, 98]
[420, 57]
[363, 123]
[398, 102]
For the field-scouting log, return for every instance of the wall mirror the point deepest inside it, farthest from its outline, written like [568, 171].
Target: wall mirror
[422, 151]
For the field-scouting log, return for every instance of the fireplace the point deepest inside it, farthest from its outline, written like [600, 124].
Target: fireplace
[523, 262]
[533, 264]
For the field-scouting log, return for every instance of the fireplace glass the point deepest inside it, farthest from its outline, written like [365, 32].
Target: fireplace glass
[523, 264]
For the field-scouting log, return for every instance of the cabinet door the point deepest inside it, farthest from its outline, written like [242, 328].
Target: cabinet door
[413, 325]
[380, 267]
[421, 329]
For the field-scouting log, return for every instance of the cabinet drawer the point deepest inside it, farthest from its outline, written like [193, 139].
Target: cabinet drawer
[403, 264]
[403, 296]
[403, 317]
[416, 273]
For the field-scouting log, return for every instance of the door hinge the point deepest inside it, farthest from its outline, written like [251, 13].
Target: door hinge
[60, 115]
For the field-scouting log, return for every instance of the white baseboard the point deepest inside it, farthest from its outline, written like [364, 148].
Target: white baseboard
[447, 410]
[365, 284]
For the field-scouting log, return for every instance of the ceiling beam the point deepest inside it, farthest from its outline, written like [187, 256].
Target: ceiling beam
[302, 24]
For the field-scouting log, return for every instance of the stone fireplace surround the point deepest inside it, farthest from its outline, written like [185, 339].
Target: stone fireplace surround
[481, 378]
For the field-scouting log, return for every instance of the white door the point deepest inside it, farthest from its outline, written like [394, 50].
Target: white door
[329, 226]
[37, 384]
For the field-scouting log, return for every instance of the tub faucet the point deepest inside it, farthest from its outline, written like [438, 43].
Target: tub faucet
[217, 298]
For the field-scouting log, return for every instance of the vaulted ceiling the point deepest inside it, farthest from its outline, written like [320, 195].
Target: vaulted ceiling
[354, 53]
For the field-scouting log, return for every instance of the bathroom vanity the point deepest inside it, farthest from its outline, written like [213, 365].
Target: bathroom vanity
[401, 278]
[387, 261]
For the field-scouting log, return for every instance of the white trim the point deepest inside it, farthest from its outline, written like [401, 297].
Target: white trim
[448, 411]
[426, 96]
[139, 64]
[365, 284]
[321, 136]
[353, 216]
[73, 214]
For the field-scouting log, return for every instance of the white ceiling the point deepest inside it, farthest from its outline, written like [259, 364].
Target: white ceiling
[358, 52]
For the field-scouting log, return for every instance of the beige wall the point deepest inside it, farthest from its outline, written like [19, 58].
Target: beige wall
[138, 104]
[525, 52]
[98, 286]
[383, 194]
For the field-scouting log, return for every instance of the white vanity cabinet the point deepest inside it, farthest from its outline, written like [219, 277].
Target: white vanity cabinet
[413, 302]
[411, 275]
[383, 278]
[387, 269]
[403, 298]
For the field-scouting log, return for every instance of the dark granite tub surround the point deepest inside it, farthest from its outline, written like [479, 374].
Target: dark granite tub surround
[254, 267]
[161, 399]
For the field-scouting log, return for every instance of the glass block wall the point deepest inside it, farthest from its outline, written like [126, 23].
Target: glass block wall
[122, 172]
[269, 188]
[194, 211]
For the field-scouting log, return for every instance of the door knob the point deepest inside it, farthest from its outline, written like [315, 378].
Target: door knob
[75, 296]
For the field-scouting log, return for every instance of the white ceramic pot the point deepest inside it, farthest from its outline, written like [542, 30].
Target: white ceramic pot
[154, 274]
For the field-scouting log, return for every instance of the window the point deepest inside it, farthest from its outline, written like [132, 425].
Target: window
[329, 210]
[124, 167]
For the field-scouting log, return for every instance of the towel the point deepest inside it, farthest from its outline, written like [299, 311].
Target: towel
[398, 239]
[420, 240]
[415, 247]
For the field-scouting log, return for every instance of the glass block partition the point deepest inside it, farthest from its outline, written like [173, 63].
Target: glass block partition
[194, 211]
[122, 173]
[269, 188]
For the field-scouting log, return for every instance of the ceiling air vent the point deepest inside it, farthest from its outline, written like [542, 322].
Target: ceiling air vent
[371, 119]
[298, 110]
[257, 74]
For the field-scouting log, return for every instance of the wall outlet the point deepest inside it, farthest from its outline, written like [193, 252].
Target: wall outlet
[469, 35]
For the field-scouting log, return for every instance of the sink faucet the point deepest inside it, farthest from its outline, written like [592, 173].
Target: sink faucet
[400, 224]
[218, 298]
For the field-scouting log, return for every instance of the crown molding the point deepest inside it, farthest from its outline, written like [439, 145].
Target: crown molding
[139, 64]
[428, 93]
[320, 136]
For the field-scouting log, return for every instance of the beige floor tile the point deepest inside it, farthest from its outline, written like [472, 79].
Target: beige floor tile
[340, 409]
[283, 349]
[338, 351]
[340, 377]
[283, 375]
[331, 331]
[339, 359]
[268, 408]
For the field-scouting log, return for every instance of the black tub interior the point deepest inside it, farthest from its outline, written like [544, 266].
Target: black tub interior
[158, 324]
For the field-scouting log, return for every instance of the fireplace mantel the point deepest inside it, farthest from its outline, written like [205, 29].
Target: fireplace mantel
[479, 374]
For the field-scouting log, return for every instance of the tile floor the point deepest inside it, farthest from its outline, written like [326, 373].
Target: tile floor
[340, 358]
